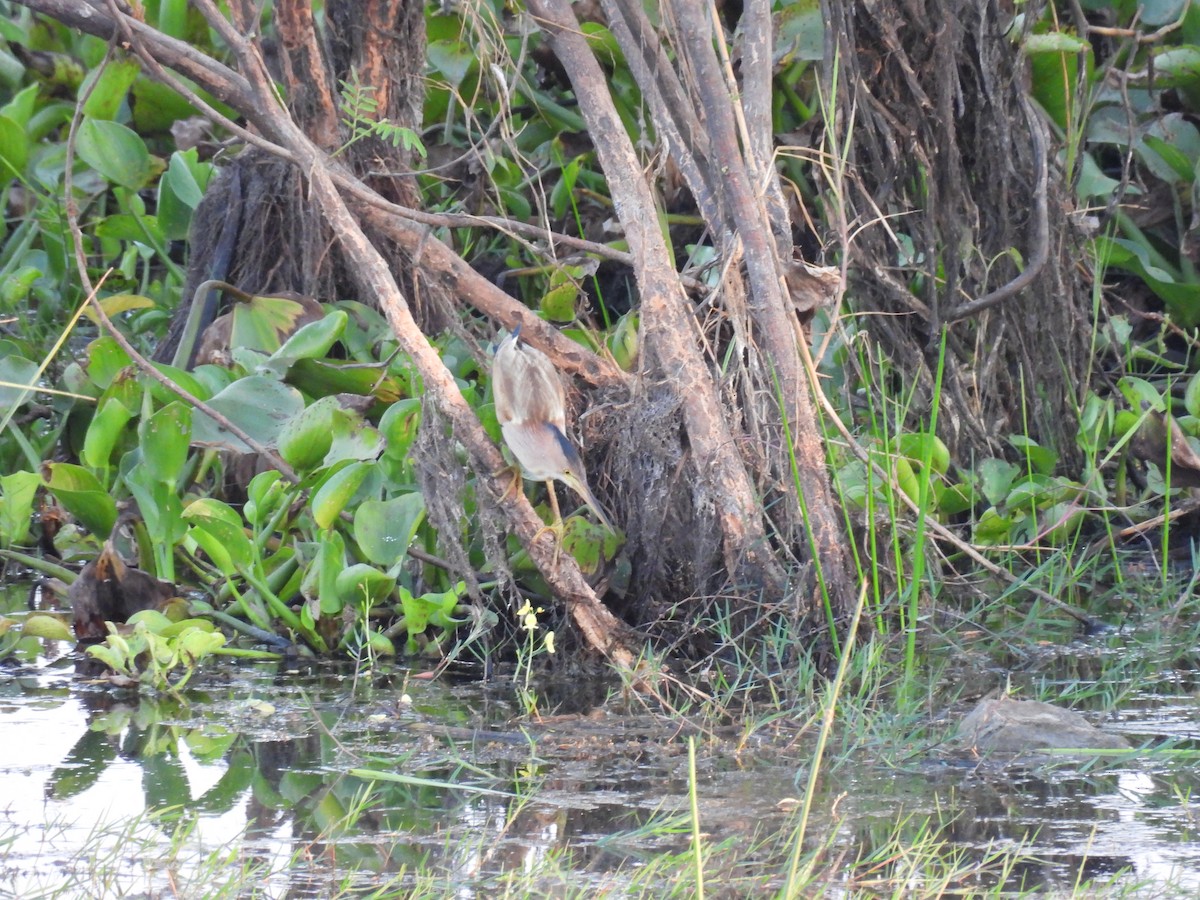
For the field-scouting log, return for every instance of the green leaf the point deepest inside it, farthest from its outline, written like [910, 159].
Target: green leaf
[996, 477]
[115, 152]
[1041, 459]
[993, 528]
[109, 87]
[307, 437]
[17, 493]
[180, 191]
[1191, 396]
[312, 341]
[14, 150]
[558, 304]
[217, 523]
[106, 429]
[363, 586]
[384, 529]
[41, 625]
[21, 108]
[331, 559]
[1181, 298]
[453, 59]
[799, 32]
[259, 406]
[263, 495]
[84, 497]
[105, 360]
[164, 441]
[263, 322]
[14, 372]
[352, 438]
[399, 425]
[332, 496]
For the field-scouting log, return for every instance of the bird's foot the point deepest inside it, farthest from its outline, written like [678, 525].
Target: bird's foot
[557, 528]
[515, 486]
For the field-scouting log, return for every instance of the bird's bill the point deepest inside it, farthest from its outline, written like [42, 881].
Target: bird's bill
[580, 487]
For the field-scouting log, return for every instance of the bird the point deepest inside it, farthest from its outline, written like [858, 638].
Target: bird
[531, 408]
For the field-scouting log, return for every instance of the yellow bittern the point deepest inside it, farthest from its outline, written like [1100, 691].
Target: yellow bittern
[531, 407]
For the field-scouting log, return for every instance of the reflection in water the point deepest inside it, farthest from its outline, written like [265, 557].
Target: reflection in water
[110, 792]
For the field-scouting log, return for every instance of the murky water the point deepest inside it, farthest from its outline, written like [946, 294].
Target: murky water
[260, 777]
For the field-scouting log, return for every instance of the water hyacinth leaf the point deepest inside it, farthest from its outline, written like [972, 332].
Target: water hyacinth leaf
[119, 303]
[18, 490]
[323, 377]
[915, 446]
[558, 304]
[165, 439]
[197, 643]
[105, 360]
[263, 322]
[906, 479]
[1140, 393]
[384, 529]
[16, 287]
[800, 33]
[996, 479]
[416, 615]
[105, 430]
[155, 621]
[352, 438]
[590, 544]
[84, 497]
[1041, 459]
[993, 528]
[173, 629]
[1182, 298]
[15, 373]
[160, 506]
[320, 579]
[184, 379]
[47, 627]
[399, 425]
[1191, 396]
[263, 496]
[955, 498]
[260, 406]
[337, 490]
[623, 343]
[307, 437]
[214, 549]
[223, 525]
[363, 586]
[313, 340]
[1061, 521]
[116, 152]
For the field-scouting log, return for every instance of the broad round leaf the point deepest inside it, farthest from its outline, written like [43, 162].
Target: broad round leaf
[259, 406]
[383, 529]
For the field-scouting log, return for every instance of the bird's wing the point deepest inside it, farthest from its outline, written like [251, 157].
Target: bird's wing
[526, 386]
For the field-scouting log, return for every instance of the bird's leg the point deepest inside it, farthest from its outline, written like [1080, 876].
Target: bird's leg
[558, 522]
[556, 527]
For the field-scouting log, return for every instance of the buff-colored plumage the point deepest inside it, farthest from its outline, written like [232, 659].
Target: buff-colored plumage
[531, 408]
